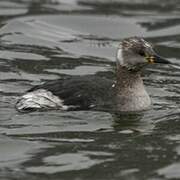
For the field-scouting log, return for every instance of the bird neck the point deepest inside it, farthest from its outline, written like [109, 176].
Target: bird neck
[130, 91]
[128, 80]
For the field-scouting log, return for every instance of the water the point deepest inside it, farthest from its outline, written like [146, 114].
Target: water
[45, 40]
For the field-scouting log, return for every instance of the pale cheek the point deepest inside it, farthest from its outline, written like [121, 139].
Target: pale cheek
[120, 57]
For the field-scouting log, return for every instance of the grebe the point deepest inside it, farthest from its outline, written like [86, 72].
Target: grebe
[127, 93]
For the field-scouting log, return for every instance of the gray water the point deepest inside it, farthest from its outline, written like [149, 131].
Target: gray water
[43, 40]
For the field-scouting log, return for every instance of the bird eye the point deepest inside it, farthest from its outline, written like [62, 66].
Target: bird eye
[141, 53]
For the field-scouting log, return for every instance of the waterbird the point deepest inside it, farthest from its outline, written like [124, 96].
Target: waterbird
[124, 94]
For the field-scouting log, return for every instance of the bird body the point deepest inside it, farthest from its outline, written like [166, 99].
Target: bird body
[126, 93]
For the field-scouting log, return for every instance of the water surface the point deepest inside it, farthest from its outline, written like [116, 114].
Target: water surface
[47, 40]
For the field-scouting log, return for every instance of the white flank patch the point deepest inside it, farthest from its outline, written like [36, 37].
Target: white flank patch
[120, 59]
[40, 99]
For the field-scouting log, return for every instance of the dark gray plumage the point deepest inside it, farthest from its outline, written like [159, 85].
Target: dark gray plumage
[93, 92]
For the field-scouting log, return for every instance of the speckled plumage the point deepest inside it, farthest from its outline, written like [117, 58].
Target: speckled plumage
[127, 93]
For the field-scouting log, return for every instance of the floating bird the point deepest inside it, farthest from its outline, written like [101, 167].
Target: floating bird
[126, 94]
